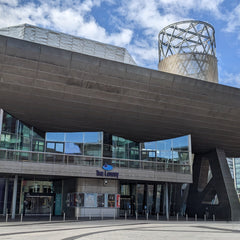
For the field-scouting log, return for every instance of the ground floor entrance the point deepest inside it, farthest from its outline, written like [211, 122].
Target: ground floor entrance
[91, 197]
[152, 198]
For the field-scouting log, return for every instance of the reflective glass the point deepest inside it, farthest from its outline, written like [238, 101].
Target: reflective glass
[73, 148]
[92, 137]
[59, 147]
[180, 143]
[24, 130]
[74, 137]
[149, 145]
[8, 141]
[37, 145]
[92, 150]
[164, 145]
[50, 147]
[55, 137]
[9, 123]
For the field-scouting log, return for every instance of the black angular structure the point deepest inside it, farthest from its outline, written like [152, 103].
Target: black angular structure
[212, 192]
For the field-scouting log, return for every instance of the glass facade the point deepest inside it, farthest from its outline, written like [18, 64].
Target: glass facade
[18, 136]
[164, 155]
[176, 150]
[80, 143]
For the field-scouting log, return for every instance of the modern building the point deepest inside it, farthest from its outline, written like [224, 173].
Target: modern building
[87, 132]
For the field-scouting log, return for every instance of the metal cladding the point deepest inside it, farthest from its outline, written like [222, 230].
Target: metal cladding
[188, 48]
[58, 90]
[68, 42]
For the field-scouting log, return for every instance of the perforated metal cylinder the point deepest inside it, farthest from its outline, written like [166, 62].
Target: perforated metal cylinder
[188, 48]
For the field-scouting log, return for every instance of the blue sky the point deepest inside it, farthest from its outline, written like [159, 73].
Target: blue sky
[134, 24]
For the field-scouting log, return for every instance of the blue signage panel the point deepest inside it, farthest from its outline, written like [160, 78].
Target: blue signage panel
[58, 204]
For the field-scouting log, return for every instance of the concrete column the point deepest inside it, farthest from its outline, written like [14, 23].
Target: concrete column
[14, 197]
[166, 200]
[5, 197]
[1, 120]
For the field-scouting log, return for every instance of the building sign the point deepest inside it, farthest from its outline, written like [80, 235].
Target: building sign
[118, 201]
[100, 200]
[58, 204]
[107, 167]
[106, 173]
[111, 200]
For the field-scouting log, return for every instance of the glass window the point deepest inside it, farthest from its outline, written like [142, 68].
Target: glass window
[92, 137]
[100, 200]
[93, 150]
[37, 145]
[55, 137]
[180, 143]
[164, 145]
[24, 130]
[73, 148]
[8, 141]
[149, 145]
[74, 137]
[59, 147]
[50, 147]
[9, 123]
[125, 189]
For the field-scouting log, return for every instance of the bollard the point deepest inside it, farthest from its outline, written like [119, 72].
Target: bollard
[21, 219]
[50, 217]
[147, 216]
[157, 216]
[136, 215]
[114, 215]
[64, 216]
[77, 217]
[195, 217]
[205, 217]
[214, 218]
[125, 215]
[177, 216]
[186, 217]
[6, 217]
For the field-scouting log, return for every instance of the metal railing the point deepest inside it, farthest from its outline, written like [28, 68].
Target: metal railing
[81, 160]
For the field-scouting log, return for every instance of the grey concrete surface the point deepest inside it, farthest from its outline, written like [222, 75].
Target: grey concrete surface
[34, 168]
[120, 229]
[59, 90]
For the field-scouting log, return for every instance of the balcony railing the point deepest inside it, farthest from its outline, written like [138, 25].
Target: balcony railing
[80, 160]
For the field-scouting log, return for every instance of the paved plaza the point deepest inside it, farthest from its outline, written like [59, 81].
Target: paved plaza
[119, 229]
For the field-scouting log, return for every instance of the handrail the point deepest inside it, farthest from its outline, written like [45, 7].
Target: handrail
[83, 160]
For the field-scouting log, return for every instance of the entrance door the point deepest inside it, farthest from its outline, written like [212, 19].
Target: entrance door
[38, 204]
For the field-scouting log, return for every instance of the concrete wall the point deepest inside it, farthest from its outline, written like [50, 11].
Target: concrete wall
[59, 90]
[87, 185]
[32, 168]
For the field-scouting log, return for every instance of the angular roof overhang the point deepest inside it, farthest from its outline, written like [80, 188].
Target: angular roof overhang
[58, 90]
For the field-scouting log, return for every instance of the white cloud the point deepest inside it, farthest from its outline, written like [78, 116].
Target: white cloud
[66, 16]
[12, 3]
[233, 20]
[137, 23]
[230, 79]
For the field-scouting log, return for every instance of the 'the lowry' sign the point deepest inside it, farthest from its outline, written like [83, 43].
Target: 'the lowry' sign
[105, 173]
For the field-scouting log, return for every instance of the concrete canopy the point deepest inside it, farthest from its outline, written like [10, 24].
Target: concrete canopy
[58, 90]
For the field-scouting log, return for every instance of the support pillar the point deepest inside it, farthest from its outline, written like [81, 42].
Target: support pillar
[166, 200]
[14, 197]
[1, 120]
[5, 197]
[212, 192]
